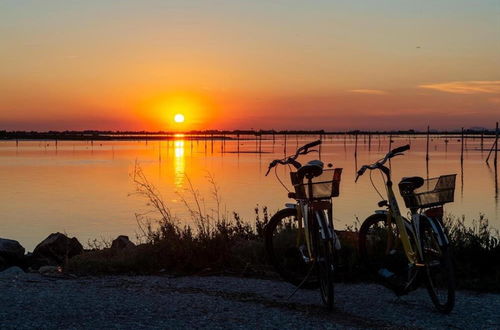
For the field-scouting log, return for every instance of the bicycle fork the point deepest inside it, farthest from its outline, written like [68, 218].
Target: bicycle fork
[324, 225]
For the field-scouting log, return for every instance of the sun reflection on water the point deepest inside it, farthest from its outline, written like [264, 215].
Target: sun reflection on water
[179, 163]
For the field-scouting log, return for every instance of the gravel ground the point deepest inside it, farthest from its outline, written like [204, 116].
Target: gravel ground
[33, 301]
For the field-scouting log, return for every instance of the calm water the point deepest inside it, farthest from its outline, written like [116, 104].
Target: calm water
[85, 189]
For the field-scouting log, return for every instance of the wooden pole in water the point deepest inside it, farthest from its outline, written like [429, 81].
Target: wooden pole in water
[462, 147]
[284, 147]
[496, 144]
[482, 137]
[355, 145]
[369, 141]
[321, 140]
[390, 141]
[238, 141]
[427, 147]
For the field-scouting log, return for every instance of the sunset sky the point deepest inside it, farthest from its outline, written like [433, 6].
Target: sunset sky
[287, 64]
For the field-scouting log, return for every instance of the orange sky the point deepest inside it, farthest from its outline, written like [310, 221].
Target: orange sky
[238, 64]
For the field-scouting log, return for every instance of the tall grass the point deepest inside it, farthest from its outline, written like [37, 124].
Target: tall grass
[216, 242]
[220, 242]
[476, 251]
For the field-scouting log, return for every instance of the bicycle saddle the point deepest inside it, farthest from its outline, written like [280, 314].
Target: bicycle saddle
[408, 184]
[310, 170]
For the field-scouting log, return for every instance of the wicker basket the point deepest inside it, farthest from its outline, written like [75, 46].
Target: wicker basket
[434, 192]
[325, 186]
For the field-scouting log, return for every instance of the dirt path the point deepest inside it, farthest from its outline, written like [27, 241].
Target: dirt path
[29, 301]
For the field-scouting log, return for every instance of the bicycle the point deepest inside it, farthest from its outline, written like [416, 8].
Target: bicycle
[300, 240]
[401, 252]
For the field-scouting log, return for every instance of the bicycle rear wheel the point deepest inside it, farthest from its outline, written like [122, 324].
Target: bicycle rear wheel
[324, 250]
[286, 249]
[438, 266]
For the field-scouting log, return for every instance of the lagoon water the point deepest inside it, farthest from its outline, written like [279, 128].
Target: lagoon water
[85, 188]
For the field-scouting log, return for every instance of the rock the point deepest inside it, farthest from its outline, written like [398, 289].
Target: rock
[10, 249]
[57, 247]
[49, 270]
[12, 271]
[122, 242]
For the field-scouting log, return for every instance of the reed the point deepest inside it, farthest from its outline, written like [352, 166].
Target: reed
[221, 242]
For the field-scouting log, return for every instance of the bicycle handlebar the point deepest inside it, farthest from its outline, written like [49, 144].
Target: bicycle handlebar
[308, 146]
[292, 159]
[400, 149]
[378, 164]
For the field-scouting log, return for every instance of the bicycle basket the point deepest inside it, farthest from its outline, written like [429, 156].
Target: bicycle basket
[434, 192]
[325, 186]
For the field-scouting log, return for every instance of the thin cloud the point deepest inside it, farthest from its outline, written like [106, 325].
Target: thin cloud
[369, 91]
[467, 87]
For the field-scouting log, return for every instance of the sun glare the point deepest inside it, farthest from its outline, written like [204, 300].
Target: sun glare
[179, 118]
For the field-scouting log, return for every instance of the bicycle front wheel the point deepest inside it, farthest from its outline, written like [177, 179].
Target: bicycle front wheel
[439, 267]
[324, 259]
[286, 249]
[380, 246]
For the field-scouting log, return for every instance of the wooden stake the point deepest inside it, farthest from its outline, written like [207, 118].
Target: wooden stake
[238, 141]
[356, 145]
[496, 144]
[462, 147]
[284, 147]
[482, 138]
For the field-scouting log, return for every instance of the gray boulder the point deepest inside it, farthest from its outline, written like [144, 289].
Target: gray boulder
[10, 249]
[12, 272]
[122, 242]
[58, 248]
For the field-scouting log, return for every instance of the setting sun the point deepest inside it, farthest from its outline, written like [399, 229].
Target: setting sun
[179, 118]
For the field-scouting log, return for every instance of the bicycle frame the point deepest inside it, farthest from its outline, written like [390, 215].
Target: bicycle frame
[414, 257]
[309, 210]
[395, 213]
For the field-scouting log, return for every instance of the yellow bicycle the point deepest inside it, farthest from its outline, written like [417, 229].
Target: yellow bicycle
[300, 240]
[403, 253]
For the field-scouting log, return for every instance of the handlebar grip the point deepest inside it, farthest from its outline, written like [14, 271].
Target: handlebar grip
[361, 171]
[400, 149]
[311, 145]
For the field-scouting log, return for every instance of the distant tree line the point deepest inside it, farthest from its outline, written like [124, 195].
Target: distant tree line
[145, 135]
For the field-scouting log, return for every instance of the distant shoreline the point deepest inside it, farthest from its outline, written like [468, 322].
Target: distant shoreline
[214, 134]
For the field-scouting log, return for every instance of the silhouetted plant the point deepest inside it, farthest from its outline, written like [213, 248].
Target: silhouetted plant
[222, 242]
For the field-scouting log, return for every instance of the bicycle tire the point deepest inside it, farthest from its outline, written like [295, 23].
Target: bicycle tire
[441, 290]
[290, 264]
[325, 260]
[374, 250]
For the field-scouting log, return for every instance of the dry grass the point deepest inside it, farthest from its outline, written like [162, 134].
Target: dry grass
[222, 243]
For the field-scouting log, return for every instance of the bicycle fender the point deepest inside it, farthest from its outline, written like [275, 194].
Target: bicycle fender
[438, 228]
[408, 225]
